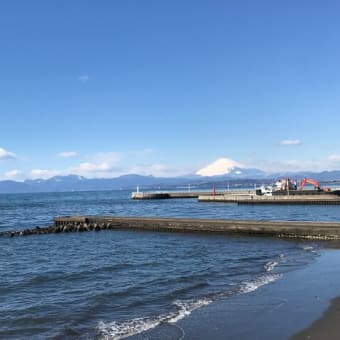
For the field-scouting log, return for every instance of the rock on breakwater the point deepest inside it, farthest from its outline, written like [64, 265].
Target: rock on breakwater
[290, 229]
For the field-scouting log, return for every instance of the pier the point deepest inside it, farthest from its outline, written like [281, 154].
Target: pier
[285, 229]
[138, 195]
[250, 198]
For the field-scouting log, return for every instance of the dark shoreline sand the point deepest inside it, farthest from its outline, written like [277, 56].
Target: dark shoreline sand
[274, 311]
[278, 310]
[327, 327]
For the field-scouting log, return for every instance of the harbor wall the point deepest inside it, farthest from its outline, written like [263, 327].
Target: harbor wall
[286, 229]
[168, 194]
[182, 194]
[245, 198]
[313, 197]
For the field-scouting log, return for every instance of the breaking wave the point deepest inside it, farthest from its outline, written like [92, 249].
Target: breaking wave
[250, 286]
[120, 330]
[269, 266]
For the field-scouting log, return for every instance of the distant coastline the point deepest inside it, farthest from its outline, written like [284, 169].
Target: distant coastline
[130, 182]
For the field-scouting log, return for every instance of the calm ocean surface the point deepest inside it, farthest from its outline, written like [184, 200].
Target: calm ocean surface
[114, 284]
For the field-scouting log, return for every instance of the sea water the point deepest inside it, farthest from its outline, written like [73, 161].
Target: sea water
[115, 284]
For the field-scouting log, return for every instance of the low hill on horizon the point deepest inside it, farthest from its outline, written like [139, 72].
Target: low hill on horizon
[246, 178]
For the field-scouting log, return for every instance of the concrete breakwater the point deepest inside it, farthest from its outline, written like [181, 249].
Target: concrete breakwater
[166, 195]
[313, 197]
[248, 198]
[288, 229]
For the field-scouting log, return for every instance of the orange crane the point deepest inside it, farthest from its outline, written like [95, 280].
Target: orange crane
[309, 181]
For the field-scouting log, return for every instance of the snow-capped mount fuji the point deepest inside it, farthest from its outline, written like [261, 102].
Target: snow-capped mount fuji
[228, 168]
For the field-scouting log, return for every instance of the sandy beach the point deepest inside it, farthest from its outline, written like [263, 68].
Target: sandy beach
[327, 327]
[296, 306]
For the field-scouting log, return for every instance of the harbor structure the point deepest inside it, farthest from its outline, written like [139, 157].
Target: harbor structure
[313, 230]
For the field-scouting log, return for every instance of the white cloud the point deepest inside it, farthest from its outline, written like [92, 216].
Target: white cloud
[288, 166]
[100, 165]
[113, 164]
[67, 154]
[159, 170]
[93, 167]
[4, 154]
[83, 78]
[289, 142]
[297, 165]
[334, 158]
[13, 174]
[221, 166]
[43, 173]
[108, 157]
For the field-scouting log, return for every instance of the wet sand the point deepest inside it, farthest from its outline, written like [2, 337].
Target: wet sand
[274, 311]
[278, 310]
[327, 327]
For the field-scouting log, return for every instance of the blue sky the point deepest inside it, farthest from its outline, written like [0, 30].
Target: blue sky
[166, 88]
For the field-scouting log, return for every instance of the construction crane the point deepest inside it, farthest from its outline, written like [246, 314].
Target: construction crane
[309, 181]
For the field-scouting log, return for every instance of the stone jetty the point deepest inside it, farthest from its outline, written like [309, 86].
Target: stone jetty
[167, 194]
[247, 197]
[251, 198]
[286, 229]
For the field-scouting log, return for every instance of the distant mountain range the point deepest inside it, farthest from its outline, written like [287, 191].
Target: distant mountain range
[237, 177]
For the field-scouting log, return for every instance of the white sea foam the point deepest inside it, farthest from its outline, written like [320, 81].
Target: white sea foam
[308, 248]
[183, 308]
[186, 307]
[121, 330]
[250, 286]
[116, 330]
[269, 266]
